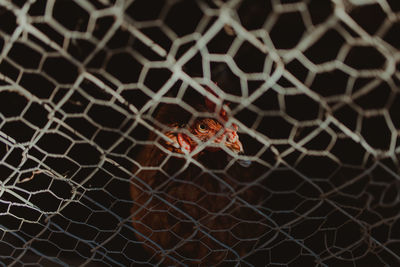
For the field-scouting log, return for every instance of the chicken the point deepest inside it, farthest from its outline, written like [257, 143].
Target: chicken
[182, 212]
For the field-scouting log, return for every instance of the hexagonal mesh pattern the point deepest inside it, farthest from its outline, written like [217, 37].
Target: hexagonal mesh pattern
[102, 160]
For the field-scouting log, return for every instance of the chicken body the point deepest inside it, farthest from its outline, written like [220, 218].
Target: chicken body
[184, 213]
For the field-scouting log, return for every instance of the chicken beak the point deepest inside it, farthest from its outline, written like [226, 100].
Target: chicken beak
[232, 142]
[236, 147]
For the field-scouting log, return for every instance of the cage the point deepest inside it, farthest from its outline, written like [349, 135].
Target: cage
[118, 119]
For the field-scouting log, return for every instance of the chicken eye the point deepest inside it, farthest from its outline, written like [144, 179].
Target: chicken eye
[201, 127]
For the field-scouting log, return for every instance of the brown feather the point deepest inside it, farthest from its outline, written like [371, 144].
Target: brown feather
[188, 215]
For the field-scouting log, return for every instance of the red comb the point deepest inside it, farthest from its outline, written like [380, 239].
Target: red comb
[211, 106]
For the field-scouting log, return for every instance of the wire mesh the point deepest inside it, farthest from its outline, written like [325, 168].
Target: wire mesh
[93, 94]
